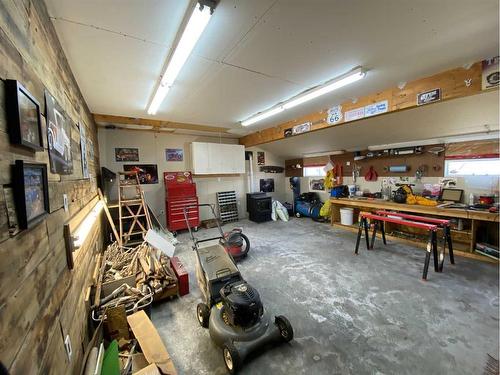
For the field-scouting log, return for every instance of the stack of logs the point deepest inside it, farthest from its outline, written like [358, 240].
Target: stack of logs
[149, 267]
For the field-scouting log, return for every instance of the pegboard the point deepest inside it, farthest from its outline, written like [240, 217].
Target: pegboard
[433, 164]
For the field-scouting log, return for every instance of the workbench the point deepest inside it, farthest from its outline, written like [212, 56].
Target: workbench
[464, 241]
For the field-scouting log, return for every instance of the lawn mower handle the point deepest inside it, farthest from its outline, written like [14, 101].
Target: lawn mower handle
[193, 238]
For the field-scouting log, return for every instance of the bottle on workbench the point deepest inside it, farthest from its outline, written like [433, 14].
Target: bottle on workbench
[471, 199]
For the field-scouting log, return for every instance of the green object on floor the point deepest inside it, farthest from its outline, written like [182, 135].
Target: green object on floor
[110, 363]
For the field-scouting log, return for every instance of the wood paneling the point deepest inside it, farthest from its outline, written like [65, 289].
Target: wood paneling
[41, 300]
[451, 82]
[156, 124]
[473, 149]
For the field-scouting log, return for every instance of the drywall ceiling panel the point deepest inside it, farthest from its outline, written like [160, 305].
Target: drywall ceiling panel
[221, 93]
[153, 21]
[118, 69]
[459, 116]
[229, 25]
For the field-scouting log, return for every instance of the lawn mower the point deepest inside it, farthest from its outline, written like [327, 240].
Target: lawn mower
[231, 308]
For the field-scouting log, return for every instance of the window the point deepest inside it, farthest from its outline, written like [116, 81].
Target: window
[472, 167]
[314, 172]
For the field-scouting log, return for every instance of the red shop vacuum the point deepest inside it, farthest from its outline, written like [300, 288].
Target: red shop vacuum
[234, 242]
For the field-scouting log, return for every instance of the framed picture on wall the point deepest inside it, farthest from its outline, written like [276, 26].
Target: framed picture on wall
[174, 154]
[23, 116]
[58, 137]
[83, 149]
[148, 173]
[31, 195]
[126, 154]
[267, 185]
[261, 158]
[317, 184]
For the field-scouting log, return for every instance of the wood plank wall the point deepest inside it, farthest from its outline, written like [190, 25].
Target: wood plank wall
[41, 301]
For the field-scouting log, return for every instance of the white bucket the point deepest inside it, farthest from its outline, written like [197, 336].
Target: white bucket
[346, 215]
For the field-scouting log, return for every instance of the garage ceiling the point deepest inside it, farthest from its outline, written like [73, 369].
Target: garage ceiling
[259, 52]
[472, 114]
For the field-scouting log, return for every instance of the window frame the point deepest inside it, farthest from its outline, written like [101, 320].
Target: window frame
[447, 162]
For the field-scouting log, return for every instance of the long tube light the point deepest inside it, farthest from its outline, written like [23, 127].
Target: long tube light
[194, 28]
[336, 83]
[86, 225]
[474, 136]
[323, 153]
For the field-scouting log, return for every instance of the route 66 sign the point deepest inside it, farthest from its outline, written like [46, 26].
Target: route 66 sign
[334, 115]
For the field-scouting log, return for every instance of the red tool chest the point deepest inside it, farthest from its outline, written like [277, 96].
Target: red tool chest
[180, 192]
[182, 275]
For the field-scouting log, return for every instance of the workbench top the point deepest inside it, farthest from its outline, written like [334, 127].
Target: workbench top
[430, 210]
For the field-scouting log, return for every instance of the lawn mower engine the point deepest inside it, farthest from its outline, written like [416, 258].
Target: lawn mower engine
[239, 324]
[241, 303]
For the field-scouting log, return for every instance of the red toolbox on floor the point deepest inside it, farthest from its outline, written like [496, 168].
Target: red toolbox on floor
[180, 192]
[182, 275]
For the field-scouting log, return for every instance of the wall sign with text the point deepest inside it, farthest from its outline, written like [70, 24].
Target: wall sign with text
[491, 74]
[354, 114]
[302, 128]
[430, 96]
[376, 108]
[334, 115]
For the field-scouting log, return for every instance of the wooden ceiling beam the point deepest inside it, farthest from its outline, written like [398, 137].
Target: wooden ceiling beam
[454, 83]
[102, 120]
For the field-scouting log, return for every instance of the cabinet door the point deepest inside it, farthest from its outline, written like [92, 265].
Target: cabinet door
[238, 152]
[214, 159]
[226, 159]
[200, 158]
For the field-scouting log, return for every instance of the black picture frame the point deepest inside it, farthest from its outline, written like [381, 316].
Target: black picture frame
[31, 195]
[17, 102]
[59, 139]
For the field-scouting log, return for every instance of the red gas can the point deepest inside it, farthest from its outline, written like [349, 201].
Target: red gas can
[181, 274]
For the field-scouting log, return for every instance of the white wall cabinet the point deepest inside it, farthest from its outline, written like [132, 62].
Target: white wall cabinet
[217, 158]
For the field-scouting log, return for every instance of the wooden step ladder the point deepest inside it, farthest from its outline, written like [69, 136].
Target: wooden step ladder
[132, 210]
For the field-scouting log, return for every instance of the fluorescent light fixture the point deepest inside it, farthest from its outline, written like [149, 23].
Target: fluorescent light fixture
[324, 153]
[86, 225]
[262, 115]
[346, 79]
[337, 83]
[198, 20]
[476, 136]
[138, 127]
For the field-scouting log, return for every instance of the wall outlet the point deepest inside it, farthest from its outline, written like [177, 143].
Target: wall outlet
[65, 202]
[347, 163]
[67, 346]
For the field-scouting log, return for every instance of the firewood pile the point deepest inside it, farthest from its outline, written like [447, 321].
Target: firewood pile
[150, 267]
[153, 269]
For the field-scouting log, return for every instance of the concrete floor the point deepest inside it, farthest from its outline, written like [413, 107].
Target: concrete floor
[366, 314]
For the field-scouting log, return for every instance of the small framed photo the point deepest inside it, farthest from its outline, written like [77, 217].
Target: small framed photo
[31, 195]
[174, 154]
[126, 154]
[23, 116]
